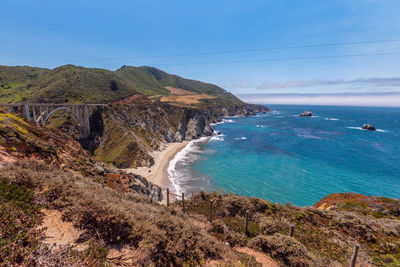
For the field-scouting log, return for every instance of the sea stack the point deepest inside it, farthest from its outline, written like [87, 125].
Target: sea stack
[369, 127]
[307, 114]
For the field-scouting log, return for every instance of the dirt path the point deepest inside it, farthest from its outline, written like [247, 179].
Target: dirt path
[59, 232]
[259, 256]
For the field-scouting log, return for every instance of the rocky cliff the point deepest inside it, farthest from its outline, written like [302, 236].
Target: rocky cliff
[20, 140]
[125, 135]
[244, 110]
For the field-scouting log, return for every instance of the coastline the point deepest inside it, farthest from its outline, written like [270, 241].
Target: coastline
[158, 173]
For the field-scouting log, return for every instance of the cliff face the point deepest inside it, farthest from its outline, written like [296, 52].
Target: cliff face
[125, 135]
[244, 110]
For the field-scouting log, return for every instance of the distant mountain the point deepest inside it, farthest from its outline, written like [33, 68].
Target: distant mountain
[76, 84]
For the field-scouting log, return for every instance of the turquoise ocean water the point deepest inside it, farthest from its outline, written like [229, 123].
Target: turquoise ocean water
[282, 157]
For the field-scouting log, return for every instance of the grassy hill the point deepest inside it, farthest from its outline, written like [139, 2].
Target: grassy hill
[75, 84]
[154, 82]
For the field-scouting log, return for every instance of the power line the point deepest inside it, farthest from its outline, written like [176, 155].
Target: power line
[271, 48]
[281, 59]
[231, 51]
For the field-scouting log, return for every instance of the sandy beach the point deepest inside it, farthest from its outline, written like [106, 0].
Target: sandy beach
[157, 174]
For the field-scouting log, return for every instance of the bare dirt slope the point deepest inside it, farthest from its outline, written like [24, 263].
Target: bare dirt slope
[180, 96]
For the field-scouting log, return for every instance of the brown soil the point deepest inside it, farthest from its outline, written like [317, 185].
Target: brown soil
[259, 256]
[183, 96]
[121, 255]
[5, 157]
[178, 91]
[59, 232]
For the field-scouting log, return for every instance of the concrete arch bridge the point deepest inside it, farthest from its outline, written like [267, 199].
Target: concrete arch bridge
[41, 112]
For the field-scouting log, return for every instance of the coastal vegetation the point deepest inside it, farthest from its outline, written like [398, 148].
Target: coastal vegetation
[50, 184]
[322, 236]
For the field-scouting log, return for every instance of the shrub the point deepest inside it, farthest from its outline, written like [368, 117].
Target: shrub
[19, 217]
[284, 249]
[219, 229]
[269, 226]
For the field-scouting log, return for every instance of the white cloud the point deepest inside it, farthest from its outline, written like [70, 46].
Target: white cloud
[344, 99]
[372, 82]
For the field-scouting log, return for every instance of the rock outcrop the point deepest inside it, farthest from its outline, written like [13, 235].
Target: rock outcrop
[373, 205]
[369, 127]
[243, 110]
[307, 114]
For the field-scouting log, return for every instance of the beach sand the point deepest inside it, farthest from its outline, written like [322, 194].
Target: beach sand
[158, 174]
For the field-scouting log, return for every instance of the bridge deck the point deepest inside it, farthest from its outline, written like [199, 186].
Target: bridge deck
[48, 104]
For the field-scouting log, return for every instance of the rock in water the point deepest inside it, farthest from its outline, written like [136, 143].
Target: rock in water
[369, 127]
[307, 114]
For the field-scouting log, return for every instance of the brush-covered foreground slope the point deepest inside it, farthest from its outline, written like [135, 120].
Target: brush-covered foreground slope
[52, 191]
[75, 84]
[321, 237]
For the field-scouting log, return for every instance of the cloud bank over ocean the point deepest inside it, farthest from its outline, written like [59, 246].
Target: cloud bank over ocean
[372, 84]
[387, 99]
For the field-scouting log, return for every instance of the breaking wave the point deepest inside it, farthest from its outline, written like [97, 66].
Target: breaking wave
[186, 156]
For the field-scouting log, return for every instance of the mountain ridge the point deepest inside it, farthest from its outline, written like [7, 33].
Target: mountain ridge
[77, 84]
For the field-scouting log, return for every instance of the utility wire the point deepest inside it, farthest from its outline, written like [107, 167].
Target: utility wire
[271, 48]
[281, 59]
[232, 51]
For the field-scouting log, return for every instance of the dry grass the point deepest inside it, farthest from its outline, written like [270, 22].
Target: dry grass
[157, 236]
[285, 249]
[178, 91]
[184, 97]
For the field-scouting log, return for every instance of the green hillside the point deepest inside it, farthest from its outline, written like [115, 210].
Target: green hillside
[153, 82]
[75, 84]
[65, 84]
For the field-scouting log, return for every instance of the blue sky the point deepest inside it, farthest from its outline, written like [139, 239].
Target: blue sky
[109, 34]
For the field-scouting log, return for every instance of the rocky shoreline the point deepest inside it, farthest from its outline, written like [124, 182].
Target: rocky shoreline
[126, 135]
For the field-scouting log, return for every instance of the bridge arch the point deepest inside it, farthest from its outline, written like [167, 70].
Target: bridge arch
[49, 114]
[34, 112]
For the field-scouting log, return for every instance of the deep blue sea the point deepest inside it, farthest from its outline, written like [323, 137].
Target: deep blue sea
[283, 157]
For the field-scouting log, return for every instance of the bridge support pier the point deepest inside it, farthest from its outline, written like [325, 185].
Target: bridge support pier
[81, 112]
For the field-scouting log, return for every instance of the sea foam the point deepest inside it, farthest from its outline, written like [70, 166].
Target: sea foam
[360, 128]
[181, 155]
[355, 128]
[219, 137]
